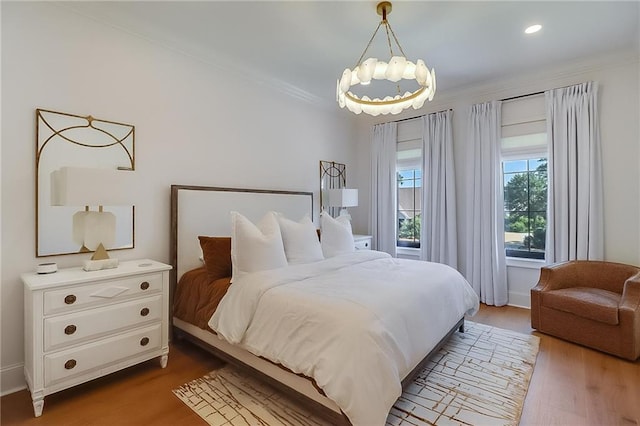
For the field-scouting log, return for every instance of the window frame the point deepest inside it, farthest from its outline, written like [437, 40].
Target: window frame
[415, 244]
[524, 154]
[409, 156]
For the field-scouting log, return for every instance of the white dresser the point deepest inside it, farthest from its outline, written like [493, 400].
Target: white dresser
[82, 325]
[363, 242]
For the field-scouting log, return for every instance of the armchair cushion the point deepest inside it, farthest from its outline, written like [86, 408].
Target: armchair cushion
[591, 303]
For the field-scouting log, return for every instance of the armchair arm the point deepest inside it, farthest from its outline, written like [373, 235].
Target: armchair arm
[549, 280]
[554, 277]
[631, 294]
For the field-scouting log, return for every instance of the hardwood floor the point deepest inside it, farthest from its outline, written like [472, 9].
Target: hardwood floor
[571, 385]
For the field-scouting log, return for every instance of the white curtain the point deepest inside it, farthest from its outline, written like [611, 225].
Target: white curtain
[486, 263]
[438, 239]
[383, 187]
[575, 222]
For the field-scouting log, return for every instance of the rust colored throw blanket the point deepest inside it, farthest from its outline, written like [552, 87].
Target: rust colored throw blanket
[197, 297]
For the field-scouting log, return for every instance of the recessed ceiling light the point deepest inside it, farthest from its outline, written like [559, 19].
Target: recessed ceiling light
[533, 29]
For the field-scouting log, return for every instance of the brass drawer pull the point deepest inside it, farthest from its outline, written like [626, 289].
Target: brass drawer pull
[70, 364]
[144, 312]
[144, 341]
[70, 329]
[70, 299]
[144, 285]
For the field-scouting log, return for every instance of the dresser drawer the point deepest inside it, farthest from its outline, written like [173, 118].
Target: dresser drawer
[75, 327]
[101, 292]
[97, 355]
[363, 244]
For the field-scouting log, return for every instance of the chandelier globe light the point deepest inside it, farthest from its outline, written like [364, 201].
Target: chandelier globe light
[396, 69]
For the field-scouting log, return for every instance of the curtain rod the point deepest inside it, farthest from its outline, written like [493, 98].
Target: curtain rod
[522, 96]
[540, 93]
[413, 118]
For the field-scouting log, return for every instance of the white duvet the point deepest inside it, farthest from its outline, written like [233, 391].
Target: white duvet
[356, 323]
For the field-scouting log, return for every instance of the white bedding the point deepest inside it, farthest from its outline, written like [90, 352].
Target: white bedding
[357, 323]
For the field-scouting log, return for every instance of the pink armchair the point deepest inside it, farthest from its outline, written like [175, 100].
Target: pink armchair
[592, 303]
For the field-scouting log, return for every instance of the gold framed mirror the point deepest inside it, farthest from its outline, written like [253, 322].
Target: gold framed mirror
[69, 140]
[332, 176]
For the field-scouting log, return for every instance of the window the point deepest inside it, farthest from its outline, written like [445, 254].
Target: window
[525, 206]
[409, 204]
[524, 177]
[409, 183]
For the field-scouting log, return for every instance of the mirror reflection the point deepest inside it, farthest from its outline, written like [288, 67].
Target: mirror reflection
[67, 140]
[332, 176]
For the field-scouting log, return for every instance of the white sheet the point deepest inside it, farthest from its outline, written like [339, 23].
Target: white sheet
[356, 323]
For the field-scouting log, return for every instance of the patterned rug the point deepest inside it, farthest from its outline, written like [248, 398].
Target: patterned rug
[479, 377]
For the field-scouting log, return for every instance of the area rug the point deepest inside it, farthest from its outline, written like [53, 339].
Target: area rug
[480, 377]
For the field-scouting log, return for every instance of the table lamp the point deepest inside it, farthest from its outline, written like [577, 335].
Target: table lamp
[93, 187]
[343, 198]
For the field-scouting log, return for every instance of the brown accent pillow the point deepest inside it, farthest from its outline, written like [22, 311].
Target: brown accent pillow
[217, 256]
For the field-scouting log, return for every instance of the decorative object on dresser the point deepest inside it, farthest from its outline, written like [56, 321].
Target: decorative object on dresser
[69, 140]
[362, 242]
[80, 326]
[93, 230]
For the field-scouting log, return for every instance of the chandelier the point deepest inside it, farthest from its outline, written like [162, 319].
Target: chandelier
[396, 69]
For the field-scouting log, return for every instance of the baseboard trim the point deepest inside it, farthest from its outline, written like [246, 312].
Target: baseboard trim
[520, 300]
[12, 379]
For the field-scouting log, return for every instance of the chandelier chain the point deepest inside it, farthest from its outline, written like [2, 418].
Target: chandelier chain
[386, 30]
[396, 40]
[368, 44]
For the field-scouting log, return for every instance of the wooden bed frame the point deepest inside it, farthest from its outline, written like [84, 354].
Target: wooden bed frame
[301, 388]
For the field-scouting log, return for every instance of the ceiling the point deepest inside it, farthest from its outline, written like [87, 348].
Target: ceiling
[302, 47]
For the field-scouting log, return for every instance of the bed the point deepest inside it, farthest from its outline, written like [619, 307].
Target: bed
[341, 335]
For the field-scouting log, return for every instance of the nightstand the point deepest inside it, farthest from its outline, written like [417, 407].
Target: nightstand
[363, 242]
[83, 325]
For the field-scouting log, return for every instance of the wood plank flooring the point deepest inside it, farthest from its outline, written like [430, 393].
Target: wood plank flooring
[571, 385]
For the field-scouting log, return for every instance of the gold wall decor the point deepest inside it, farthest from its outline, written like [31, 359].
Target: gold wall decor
[332, 176]
[68, 140]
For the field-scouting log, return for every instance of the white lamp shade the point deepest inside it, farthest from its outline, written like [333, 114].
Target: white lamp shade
[77, 186]
[342, 197]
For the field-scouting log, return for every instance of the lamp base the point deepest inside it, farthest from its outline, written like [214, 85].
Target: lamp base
[345, 212]
[96, 265]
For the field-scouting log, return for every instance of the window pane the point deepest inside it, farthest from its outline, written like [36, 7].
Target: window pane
[406, 199]
[516, 192]
[404, 175]
[514, 166]
[538, 164]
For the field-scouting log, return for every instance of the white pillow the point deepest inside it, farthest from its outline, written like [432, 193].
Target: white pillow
[336, 235]
[255, 248]
[300, 239]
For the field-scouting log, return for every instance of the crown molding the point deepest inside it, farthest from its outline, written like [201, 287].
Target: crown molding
[572, 72]
[223, 63]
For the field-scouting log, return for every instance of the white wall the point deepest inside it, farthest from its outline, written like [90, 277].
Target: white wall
[618, 78]
[195, 124]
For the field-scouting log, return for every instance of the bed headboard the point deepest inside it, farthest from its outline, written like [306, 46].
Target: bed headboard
[205, 210]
